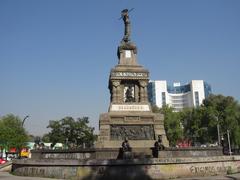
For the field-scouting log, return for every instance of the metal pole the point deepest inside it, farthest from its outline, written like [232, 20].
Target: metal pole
[229, 145]
[219, 141]
[24, 119]
[218, 131]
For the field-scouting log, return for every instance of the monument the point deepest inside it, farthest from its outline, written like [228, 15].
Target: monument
[129, 127]
[129, 115]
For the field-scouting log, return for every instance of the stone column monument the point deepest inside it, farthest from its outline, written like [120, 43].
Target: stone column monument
[129, 115]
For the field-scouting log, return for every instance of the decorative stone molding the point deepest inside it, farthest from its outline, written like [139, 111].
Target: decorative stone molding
[116, 83]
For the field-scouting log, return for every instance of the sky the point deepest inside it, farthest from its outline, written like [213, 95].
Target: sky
[56, 56]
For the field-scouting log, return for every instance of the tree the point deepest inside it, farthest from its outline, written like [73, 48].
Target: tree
[200, 124]
[225, 110]
[195, 126]
[172, 124]
[70, 131]
[12, 132]
[45, 138]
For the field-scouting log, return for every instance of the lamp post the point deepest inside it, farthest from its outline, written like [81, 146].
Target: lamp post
[229, 144]
[66, 130]
[66, 143]
[218, 131]
[24, 119]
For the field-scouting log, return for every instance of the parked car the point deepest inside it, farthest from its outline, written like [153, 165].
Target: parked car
[2, 161]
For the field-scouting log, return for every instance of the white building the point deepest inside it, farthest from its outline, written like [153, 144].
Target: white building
[178, 96]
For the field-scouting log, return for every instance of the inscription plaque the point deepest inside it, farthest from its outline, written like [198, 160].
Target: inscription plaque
[132, 118]
[129, 74]
[126, 107]
[128, 54]
[132, 132]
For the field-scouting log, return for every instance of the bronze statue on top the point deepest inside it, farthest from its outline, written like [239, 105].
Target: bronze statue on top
[126, 20]
[126, 43]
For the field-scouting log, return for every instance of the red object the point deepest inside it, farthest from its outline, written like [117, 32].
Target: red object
[13, 150]
[2, 161]
[184, 143]
[24, 150]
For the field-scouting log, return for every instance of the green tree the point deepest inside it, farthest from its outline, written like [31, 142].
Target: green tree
[12, 132]
[195, 126]
[225, 110]
[70, 131]
[200, 124]
[45, 138]
[172, 124]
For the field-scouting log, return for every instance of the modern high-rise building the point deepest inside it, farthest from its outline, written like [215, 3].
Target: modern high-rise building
[178, 96]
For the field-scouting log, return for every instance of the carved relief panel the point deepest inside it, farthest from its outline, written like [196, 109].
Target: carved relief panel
[133, 132]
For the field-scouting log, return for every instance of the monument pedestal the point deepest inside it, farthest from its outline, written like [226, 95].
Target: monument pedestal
[141, 129]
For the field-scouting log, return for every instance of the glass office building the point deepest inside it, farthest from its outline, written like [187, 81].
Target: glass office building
[178, 96]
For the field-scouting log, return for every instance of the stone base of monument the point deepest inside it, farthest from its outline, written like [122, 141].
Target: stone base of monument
[146, 168]
[141, 128]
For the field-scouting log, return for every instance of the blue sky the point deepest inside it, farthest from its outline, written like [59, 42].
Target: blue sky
[55, 56]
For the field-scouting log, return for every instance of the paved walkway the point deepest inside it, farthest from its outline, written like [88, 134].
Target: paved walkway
[224, 177]
[7, 176]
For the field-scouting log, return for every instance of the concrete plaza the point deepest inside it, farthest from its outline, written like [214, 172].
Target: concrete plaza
[7, 176]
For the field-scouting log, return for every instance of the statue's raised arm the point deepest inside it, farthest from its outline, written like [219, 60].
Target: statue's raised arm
[126, 20]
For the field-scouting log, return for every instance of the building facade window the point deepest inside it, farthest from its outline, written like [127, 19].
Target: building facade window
[151, 95]
[178, 89]
[163, 98]
[207, 89]
[196, 98]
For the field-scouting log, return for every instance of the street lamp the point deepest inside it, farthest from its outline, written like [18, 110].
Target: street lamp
[24, 119]
[218, 131]
[228, 141]
[229, 144]
[66, 131]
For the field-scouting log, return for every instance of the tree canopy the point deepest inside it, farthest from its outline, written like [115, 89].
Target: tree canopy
[200, 124]
[224, 110]
[172, 124]
[69, 131]
[12, 133]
